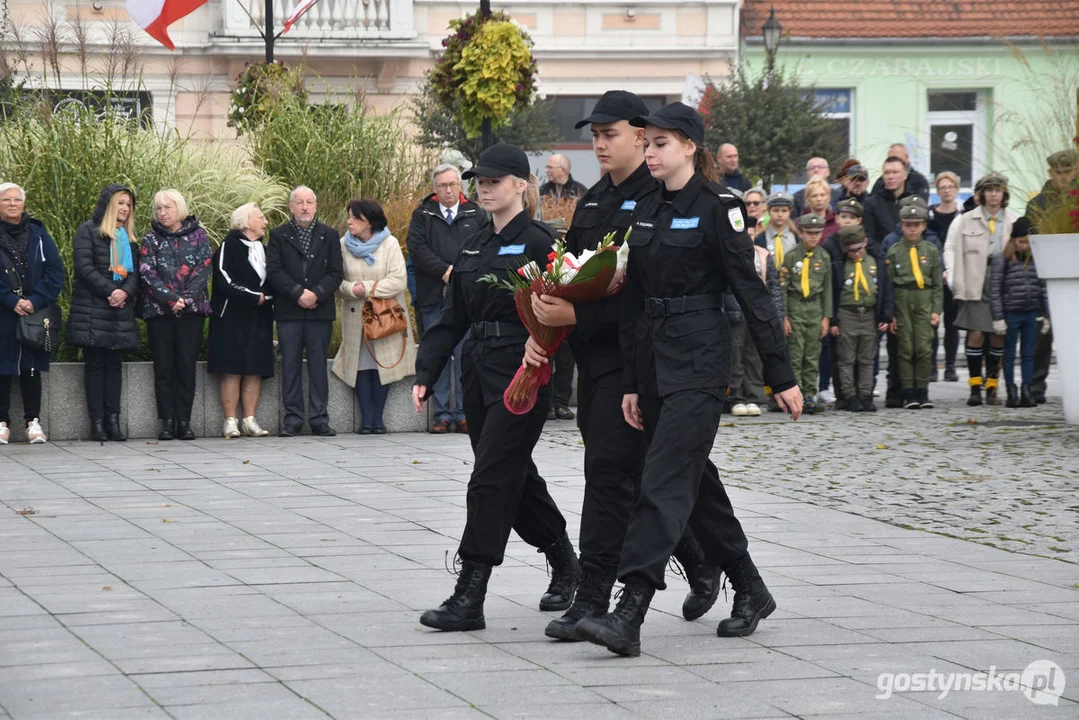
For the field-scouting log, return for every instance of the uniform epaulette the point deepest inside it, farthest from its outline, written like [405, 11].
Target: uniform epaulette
[723, 193]
[546, 228]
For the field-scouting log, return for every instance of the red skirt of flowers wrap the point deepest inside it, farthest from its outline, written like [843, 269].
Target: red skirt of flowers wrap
[589, 285]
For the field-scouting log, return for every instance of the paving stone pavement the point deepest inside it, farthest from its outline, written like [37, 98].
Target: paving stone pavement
[284, 578]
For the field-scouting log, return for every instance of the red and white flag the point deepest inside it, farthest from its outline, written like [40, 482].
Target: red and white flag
[155, 16]
[303, 7]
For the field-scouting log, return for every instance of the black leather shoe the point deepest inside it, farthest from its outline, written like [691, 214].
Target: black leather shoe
[867, 404]
[592, 600]
[975, 398]
[752, 601]
[950, 375]
[564, 413]
[97, 430]
[112, 428]
[184, 431]
[1039, 397]
[565, 573]
[893, 400]
[365, 430]
[703, 580]
[620, 630]
[290, 431]
[464, 609]
[379, 430]
[323, 431]
[167, 432]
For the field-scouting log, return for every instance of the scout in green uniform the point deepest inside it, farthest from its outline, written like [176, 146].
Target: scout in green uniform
[806, 277]
[858, 316]
[914, 272]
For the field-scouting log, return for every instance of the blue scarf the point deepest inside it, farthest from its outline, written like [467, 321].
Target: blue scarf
[365, 250]
[123, 243]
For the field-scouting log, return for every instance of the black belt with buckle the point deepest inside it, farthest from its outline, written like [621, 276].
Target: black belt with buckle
[660, 307]
[488, 330]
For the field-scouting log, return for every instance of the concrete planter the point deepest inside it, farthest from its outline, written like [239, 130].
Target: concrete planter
[64, 404]
[1057, 257]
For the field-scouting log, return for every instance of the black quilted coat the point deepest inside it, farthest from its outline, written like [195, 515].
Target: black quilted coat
[93, 322]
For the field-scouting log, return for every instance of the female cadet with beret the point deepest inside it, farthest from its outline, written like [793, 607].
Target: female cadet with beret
[688, 245]
[505, 490]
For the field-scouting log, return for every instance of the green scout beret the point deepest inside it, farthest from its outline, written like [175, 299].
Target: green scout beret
[811, 221]
[849, 205]
[851, 235]
[913, 211]
[993, 179]
[780, 199]
[1062, 161]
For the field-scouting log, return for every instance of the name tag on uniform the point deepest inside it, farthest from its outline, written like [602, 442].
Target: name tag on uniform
[511, 250]
[685, 223]
[629, 205]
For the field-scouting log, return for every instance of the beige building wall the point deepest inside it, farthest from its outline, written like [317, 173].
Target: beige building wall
[379, 47]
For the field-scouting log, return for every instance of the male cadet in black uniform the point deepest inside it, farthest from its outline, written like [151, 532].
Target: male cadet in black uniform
[614, 451]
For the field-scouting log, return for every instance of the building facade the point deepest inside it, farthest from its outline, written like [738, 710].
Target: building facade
[382, 48]
[967, 87]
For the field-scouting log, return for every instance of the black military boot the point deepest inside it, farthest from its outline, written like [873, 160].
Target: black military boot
[620, 630]
[112, 428]
[97, 430]
[1013, 396]
[464, 609]
[867, 403]
[991, 392]
[752, 601]
[1025, 398]
[703, 580]
[975, 398]
[565, 573]
[592, 600]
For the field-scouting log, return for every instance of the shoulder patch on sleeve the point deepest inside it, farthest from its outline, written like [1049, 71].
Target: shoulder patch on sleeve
[737, 220]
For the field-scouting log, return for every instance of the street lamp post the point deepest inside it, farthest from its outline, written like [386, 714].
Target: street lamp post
[269, 36]
[772, 32]
[485, 128]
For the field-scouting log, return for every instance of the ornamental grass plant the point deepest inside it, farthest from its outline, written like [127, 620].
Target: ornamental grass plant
[64, 159]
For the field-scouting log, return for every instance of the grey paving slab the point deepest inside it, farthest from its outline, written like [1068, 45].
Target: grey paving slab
[290, 585]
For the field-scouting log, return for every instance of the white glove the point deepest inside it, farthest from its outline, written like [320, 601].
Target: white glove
[999, 327]
[1045, 326]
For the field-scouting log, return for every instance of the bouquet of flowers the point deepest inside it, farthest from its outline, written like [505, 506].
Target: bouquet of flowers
[595, 275]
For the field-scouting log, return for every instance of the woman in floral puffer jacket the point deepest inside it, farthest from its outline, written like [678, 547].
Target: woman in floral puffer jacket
[175, 264]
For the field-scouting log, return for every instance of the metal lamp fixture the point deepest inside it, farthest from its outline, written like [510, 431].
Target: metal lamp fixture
[772, 31]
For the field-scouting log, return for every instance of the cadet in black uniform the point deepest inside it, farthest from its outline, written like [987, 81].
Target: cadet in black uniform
[688, 245]
[614, 451]
[505, 490]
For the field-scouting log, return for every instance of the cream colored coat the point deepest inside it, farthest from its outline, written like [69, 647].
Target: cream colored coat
[967, 252]
[390, 273]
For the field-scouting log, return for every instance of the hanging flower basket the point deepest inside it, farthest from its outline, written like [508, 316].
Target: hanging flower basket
[486, 71]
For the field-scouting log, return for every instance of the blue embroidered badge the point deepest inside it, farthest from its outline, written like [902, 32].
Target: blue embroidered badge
[629, 205]
[685, 223]
[511, 250]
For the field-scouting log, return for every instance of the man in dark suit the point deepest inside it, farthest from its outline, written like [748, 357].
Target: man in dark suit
[304, 268]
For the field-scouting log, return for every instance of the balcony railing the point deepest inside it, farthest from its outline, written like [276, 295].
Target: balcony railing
[326, 20]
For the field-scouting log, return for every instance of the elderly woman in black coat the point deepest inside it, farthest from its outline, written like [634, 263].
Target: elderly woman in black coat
[102, 320]
[31, 280]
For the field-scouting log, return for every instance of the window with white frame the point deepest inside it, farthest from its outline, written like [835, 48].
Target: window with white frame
[955, 133]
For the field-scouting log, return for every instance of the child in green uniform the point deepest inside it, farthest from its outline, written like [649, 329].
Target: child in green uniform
[914, 272]
[859, 314]
[806, 277]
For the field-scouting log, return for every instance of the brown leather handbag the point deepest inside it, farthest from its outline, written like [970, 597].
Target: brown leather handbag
[383, 317]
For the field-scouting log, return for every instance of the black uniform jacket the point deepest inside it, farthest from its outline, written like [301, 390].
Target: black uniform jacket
[605, 208]
[683, 256]
[494, 353]
[433, 243]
